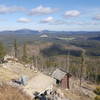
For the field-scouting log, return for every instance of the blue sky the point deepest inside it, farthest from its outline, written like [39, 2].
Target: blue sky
[67, 15]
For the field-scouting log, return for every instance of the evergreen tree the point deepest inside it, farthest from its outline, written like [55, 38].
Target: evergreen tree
[2, 51]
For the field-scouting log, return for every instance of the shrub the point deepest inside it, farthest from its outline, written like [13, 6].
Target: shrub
[97, 90]
[97, 98]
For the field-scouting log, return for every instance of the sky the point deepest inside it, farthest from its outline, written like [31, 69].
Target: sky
[58, 15]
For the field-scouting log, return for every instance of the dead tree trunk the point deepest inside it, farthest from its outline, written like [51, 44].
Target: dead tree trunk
[15, 49]
[82, 66]
[68, 61]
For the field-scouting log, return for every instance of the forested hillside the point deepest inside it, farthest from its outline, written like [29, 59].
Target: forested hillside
[52, 52]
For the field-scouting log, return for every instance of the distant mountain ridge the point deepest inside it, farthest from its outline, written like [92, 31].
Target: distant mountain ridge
[30, 31]
[21, 31]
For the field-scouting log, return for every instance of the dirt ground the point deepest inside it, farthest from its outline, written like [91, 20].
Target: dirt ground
[9, 71]
[39, 83]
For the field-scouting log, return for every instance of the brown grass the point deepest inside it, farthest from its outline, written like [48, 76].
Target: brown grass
[12, 93]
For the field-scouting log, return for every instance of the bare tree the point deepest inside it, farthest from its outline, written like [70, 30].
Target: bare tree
[68, 61]
[24, 57]
[82, 66]
[15, 48]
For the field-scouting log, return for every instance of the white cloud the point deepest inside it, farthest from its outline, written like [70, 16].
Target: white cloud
[10, 9]
[42, 10]
[3, 20]
[72, 13]
[24, 20]
[97, 17]
[47, 20]
[84, 23]
[52, 21]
